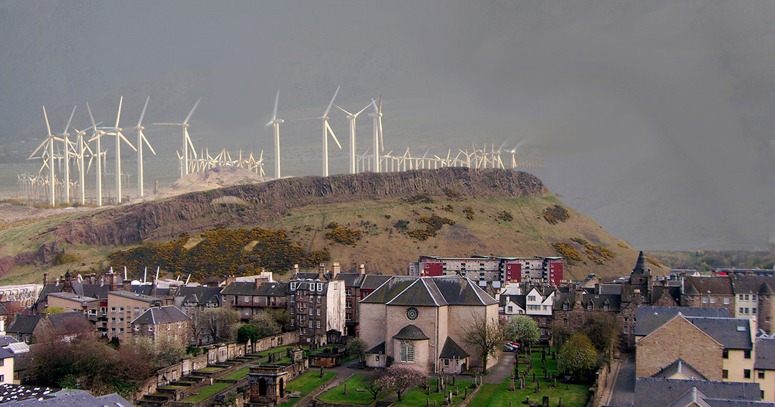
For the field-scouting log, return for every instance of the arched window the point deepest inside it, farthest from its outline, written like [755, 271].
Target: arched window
[407, 351]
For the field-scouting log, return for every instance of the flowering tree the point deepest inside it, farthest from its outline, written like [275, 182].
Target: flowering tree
[399, 378]
[577, 357]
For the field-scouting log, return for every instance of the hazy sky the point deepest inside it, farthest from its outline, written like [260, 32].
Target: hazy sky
[654, 117]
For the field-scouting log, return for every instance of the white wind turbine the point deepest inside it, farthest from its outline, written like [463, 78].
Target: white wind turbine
[186, 140]
[117, 131]
[48, 143]
[352, 117]
[97, 136]
[82, 147]
[326, 129]
[378, 138]
[140, 140]
[275, 123]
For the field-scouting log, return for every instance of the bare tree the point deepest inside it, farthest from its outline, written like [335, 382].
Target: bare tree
[217, 322]
[487, 335]
[399, 378]
[374, 385]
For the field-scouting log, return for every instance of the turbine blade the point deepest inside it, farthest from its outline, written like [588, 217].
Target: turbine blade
[340, 108]
[269, 124]
[70, 120]
[276, 102]
[147, 143]
[121, 135]
[38, 149]
[361, 111]
[333, 135]
[118, 115]
[332, 102]
[45, 115]
[192, 111]
[140, 122]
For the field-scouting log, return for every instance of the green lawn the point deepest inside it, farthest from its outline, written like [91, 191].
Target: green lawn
[239, 374]
[206, 392]
[304, 384]
[499, 395]
[412, 398]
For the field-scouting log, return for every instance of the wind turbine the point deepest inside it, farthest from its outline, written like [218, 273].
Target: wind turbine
[186, 139]
[97, 136]
[48, 143]
[140, 140]
[352, 118]
[326, 129]
[117, 131]
[275, 123]
[82, 147]
[378, 138]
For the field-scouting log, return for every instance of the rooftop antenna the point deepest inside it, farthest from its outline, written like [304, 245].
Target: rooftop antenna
[188, 278]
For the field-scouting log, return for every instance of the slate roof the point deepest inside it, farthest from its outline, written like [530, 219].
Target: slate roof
[350, 279]
[83, 289]
[23, 324]
[373, 281]
[73, 297]
[750, 284]
[74, 398]
[720, 285]
[161, 315]
[411, 333]
[147, 289]
[599, 301]
[307, 275]
[275, 289]
[765, 354]
[648, 318]
[610, 289]
[452, 350]
[651, 392]
[680, 367]
[378, 350]
[10, 392]
[732, 333]
[70, 322]
[240, 288]
[135, 296]
[199, 295]
[672, 291]
[430, 291]
[519, 300]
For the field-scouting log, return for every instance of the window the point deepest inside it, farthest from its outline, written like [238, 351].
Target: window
[318, 311]
[407, 351]
[150, 329]
[753, 297]
[2, 362]
[741, 310]
[2, 377]
[510, 309]
[760, 374]
[741, 297]
[320, 286]
[704, 300]
[121, 309]
[747, 354]
[112, 309]
[725, 354]
[753, 310]
[318, 324]
[531, 298]
[725, 374]
[137, 310]
[712, 300]
[726, 301]
[746, 373]
[446, 362]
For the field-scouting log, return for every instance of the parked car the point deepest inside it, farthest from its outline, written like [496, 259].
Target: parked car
[508, 347]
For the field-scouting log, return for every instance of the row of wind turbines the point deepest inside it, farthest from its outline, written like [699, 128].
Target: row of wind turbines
[59, 150]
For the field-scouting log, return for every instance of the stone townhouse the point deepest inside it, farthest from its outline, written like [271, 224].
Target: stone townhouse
[764, 365]
[318, 310]
[421, 321]
[357, 286]
[721, 349]
[192, 300]
[249, 298]
[164, 323]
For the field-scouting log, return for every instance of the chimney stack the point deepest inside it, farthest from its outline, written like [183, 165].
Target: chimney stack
[361, 269]
[335, 269]
[295, 270]
[45, 279]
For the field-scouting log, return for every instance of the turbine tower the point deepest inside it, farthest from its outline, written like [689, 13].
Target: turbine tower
[275, 123]
[97, 136]
[140, 140]
[326, 130]
[117, 131]
[186, 139]
[48, 143]
[378, 138]
[80, 154]
[66, 157]
[352, 118]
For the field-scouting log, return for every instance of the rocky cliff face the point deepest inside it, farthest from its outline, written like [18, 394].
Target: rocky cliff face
[248, 205]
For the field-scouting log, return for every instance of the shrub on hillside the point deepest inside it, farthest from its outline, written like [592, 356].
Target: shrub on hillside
[555, 214]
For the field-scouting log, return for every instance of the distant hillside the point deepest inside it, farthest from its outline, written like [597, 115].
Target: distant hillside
[381, 220]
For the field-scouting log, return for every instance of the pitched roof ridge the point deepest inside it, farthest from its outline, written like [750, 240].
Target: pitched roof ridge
[402, 291]
[481, 301]
[428, 289]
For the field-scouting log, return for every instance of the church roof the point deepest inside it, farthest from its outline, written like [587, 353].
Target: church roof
[452, 350]
[411, 333]
[429, 291]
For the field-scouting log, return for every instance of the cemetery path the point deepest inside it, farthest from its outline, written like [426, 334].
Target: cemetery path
[503, 369]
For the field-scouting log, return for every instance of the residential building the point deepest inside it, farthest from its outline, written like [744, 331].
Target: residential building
[23, 327]
[192, 300]
[765, 367]
[167, 322]
[422, 321]
[123, 307]
[318, 310]
[492, 271]
[357, 286]
[249, 298]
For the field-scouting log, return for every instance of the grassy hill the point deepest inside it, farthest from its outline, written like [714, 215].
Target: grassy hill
[380, 220]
